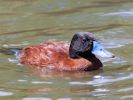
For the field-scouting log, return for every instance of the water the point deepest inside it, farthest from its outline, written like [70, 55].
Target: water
[28, 22]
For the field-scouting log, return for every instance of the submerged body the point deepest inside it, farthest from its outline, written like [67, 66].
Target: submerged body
[55, 55]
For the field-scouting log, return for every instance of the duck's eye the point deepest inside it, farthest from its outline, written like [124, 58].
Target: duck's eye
[101, 49]
[84, 40]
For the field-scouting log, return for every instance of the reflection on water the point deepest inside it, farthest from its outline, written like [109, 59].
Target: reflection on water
[2, 93]
[25, 22]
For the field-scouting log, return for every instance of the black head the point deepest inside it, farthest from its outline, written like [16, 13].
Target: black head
[81, 45]
[84, 44]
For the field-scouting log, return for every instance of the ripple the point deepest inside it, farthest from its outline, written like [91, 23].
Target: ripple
[64, 99]
[36, 98]
[75, 9]
[108, 80]
[14, 60]
[104, 80]
[126, 89]
[39, 82]
[42, 98]
[118, 43]
[22, 80]
[101, 92]
[127, 97]
[120, 13]
[3, 93]
[15, 44]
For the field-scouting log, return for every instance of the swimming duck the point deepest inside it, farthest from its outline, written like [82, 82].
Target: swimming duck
[79, 55]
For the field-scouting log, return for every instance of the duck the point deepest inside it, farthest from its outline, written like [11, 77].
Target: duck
[78, 55]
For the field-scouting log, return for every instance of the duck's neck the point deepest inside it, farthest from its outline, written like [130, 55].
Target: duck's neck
[96, 63]
[87, 55]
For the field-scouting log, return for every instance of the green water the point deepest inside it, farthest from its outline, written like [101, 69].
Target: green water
[26, 22]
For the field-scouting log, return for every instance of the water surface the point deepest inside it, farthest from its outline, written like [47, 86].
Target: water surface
[29, 22]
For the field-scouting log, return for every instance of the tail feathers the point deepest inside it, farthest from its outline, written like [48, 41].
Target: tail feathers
[10, 51]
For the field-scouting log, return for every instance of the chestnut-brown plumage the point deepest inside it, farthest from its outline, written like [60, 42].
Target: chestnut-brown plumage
[63, 56]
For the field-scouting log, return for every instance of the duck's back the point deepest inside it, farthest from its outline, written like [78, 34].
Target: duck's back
[52, 55]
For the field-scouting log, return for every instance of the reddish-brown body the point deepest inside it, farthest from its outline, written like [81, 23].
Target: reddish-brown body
[55, 55]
